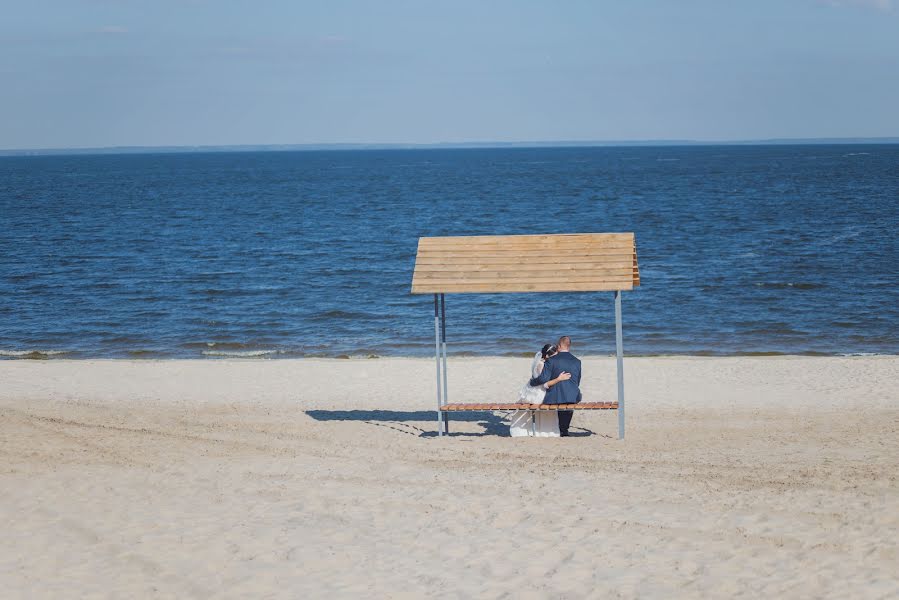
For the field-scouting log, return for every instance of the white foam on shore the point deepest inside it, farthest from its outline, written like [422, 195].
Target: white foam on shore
[31, 353]
[240, 353]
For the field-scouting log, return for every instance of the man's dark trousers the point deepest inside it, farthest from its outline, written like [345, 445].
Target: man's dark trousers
[564, 421]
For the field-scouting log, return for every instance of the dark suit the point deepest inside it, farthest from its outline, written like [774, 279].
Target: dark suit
[564, 392]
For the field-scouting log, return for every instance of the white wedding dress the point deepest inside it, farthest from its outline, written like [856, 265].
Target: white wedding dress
[547, 424]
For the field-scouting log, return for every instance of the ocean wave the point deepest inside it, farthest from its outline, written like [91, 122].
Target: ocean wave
[240, 353]
[773, 330]
[763, 353]
[221, 345]
[143, 353]
[32, 354]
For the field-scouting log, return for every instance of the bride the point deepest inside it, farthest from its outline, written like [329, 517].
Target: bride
[547, 424]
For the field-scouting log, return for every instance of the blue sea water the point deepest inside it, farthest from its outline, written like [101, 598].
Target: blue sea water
[742, 249]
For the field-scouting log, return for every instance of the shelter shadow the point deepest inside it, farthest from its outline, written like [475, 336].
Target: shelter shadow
[400, 420]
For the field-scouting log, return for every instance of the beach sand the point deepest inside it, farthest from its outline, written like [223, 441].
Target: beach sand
[750, 476]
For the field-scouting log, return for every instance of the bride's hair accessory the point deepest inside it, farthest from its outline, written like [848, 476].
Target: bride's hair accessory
[548, 350]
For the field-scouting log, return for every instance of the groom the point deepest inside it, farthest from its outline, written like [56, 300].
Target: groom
[564, 392]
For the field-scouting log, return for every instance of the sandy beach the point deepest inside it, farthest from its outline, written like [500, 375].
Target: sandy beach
[749, 476]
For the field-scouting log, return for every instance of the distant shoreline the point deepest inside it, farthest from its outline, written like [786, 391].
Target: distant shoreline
[111, 150]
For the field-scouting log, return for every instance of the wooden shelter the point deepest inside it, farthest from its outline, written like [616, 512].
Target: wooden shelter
[580, 262]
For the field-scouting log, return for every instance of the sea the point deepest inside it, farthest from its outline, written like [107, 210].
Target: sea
[743, 250]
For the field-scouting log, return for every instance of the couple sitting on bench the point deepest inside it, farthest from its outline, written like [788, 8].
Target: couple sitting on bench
[555, 379]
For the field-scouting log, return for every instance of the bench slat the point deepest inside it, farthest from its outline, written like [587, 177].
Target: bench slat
[509, 406]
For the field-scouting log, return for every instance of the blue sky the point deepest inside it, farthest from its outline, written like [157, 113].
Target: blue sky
[86, 73]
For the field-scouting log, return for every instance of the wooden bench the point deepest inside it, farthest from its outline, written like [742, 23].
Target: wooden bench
[507, 406]
[533, 408]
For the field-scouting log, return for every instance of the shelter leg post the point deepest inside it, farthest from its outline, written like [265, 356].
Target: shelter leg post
[534, 423]
[443, 338]
[440, 427]
[619, 352]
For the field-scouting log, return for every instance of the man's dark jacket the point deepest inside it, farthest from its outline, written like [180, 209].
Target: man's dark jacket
[564, 392]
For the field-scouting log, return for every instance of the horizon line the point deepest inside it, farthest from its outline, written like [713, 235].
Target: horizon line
[324, 146]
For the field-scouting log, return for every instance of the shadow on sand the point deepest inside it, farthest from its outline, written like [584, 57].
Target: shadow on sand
[408, 421]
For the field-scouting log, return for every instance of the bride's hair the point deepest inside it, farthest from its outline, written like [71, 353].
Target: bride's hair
[548, 350]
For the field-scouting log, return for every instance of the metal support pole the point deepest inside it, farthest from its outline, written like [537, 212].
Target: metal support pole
[443, 338]
[619, 351]
[440, 427]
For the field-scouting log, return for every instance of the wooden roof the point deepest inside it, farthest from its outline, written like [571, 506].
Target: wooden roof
[578, 262]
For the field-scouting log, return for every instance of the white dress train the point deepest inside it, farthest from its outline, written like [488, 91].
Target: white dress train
[547, 424]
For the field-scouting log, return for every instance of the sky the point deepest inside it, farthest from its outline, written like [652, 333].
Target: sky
[97, 73]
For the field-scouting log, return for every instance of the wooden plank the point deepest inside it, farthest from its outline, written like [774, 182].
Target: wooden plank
[465, 281]
[505, 406]
[472, 288]
[530, 239]
[523, 276]
[450, 243]
[622, 259]
[624, 254]
[447, 287]
[545, 239]
[539, 237]
[520, 286]
[624, 246]
[599, 268]
[462, 280]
